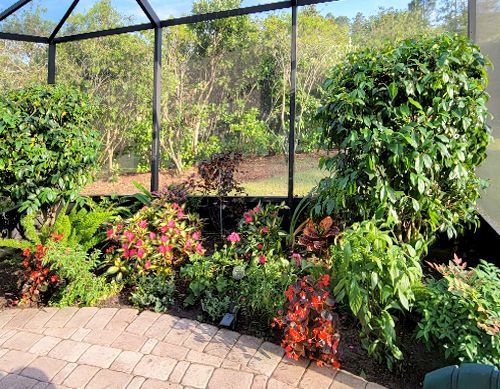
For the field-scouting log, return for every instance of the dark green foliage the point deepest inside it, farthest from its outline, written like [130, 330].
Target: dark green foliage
[409, 123]
[49, 149]
[154, 291]
[375, 276]
[461, 312]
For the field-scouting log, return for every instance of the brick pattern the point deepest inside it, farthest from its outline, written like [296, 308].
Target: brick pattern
[120, 348]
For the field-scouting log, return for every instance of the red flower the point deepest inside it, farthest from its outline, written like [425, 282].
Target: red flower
[265, 230]
[27, 252]
[259, 246]
[262, 259]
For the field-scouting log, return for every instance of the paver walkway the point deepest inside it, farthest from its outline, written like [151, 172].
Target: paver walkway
[120, 348]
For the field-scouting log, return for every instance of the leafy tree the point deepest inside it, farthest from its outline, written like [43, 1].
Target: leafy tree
[115, 71]
[49, 146]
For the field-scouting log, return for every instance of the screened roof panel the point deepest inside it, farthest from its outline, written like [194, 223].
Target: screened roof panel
[105, 15]
[38, 17]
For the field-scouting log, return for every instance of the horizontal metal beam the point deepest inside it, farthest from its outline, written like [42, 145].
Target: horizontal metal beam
[13, 8]
[226, 14]
[23, 37]
[98, 34]
[190, 19]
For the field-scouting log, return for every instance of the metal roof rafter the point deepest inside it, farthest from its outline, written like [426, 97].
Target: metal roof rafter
[63, 20]
[150, 12]
[13, 8]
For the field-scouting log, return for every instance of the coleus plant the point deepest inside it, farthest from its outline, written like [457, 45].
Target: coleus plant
[39, 280]
[309, 323]
[157, 239]
[317, 237]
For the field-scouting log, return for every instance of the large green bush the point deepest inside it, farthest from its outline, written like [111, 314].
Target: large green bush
[409, 123]
[49, 148]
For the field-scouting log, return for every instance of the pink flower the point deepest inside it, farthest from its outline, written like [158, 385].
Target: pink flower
[262, 259]
[180, 214]
[297, 258]
[234, 237]
[171, 224]
[199, 248]
[119, 227]
[110, 233]
[133, 252]
[188, 244]
[126, 254]
[256, 209]
[248, 219]
[197, 235]
[177, 231]
[140, 253]
[164, 238]
[125, 247]
[143, 224]
[147, 265]
[259, 246]
[152, 235]
[265, 230]
[164, 229]
[139, 243]
[175, 206]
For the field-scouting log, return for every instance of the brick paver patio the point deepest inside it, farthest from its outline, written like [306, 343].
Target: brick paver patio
[120, 348]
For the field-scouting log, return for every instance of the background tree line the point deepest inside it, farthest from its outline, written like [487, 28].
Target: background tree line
[225, 83]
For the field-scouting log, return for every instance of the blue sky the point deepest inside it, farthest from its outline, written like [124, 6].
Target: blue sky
[176, 8]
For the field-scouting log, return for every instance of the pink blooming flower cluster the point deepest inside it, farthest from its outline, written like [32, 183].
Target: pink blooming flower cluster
[157, 238]
[248, 216]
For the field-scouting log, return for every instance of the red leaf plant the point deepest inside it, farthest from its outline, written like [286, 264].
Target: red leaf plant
[317, 237]
[310, 325]
[39, 281]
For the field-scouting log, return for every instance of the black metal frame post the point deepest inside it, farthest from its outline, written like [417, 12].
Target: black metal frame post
[51, 68]
[471, 19]
[155, 146]
[293, 105]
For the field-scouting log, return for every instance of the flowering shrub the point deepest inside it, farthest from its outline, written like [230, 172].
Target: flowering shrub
[460, 312]
[309, 322]
[155, 240]
[251, 268]
[39, 280]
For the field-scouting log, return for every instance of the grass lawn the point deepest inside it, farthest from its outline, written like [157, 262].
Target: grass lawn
[306, 177]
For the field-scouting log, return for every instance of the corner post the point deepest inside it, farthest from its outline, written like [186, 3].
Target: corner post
[51, 77]
[155, 147]
[293, 105]
[471, 19]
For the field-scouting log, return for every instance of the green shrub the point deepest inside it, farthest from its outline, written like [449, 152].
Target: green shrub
[154, 291]
[461, 312]
[376, 278]
[251, 269]
[409, 123]
[49, 148]
[75, 268]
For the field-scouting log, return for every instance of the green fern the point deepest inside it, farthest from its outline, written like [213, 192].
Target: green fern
[75, 266]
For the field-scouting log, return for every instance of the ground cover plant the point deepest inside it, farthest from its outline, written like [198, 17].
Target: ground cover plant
[461, 312]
